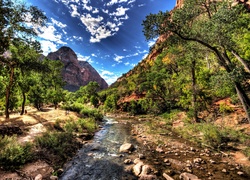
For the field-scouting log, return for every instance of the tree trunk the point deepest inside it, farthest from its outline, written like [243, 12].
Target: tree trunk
[8, 92]
[243, 62]
[244, 99]
[194, 100]
[23, 103]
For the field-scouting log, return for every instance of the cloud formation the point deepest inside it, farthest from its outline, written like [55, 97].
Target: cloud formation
[102, 21]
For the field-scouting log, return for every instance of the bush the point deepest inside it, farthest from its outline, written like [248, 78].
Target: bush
[75, 107]
[60, 144]
[13, 154]
[88, 124]
[92, 113]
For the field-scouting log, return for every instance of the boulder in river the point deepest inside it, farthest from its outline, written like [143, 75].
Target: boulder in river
[127, 147]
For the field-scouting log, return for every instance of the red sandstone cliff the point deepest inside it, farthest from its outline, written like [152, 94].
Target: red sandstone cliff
[76, 73]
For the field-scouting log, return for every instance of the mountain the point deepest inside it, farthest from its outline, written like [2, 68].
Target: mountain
[76, 73]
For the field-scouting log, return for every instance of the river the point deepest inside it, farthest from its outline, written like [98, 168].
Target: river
[100, 159]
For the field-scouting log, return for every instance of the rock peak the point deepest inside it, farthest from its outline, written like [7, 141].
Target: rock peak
[76, 73]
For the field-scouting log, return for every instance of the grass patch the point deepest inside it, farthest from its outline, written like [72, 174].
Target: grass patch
[246, 151]
[81, 125]
[211, 135]
[169, 118]
[12, 154]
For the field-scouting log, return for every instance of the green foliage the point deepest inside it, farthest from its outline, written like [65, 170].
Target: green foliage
[58, 143]
[246, 151]
[110, 103]
[13, 154]
[170, 117]
[87, 123]
[75, 107]
[92, 113]
[211, 135]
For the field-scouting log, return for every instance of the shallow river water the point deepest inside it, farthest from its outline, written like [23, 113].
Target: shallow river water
[100, 159]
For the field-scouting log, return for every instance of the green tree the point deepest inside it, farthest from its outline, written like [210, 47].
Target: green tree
[208, 24]
[53, 81]
[15, 30]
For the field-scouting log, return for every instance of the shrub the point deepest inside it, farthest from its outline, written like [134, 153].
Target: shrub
[92, 113]
[88, 124]
[13, 154]
[75, 107]
[60, 144]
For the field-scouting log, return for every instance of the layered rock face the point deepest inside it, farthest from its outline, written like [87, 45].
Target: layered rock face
[76, 73]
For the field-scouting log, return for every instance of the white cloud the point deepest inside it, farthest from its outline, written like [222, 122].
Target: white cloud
[74, 12]
[112, 2]
[57, 23]
[120, 11]
[50, 33]
[89, 8]
[118, 58]
[105, 72]
[132, 1]
[94, 55]
[109, 77]
[78, 38]
[95, 11]
[151, 42]
[126, 64]
[98, 26]
[141, 5]
[47, 47]
[84, 58]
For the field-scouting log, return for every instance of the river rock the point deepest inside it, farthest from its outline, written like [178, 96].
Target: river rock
[127, 161]
[53, 178]
[137, 169]
[141, 156]
[240, 173]
[39, 177]
[188, 176]
[167, 177]
[148, 177]
[145, 170]
[127, 147]
[160, 150]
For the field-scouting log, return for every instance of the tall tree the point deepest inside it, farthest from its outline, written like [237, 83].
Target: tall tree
[17, 25]
[208, 23]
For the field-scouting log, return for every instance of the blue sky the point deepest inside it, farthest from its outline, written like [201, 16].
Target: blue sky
[106, 33]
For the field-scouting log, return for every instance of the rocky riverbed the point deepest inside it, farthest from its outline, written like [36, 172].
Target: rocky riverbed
[134, 154]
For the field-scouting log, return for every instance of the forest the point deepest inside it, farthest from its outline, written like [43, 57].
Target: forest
[203, 58]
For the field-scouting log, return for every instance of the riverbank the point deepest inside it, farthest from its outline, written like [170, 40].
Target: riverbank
[171, 155]
[58, 143]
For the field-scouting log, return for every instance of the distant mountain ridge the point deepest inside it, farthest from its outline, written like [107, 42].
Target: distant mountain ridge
[76, 73]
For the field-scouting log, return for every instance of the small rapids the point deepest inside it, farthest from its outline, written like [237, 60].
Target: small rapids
[100, 159]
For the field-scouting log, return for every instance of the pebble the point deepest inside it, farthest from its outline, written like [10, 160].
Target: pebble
[224, 170]
[39, 177]
[240, 173]
[53, 178]
[127, 161]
